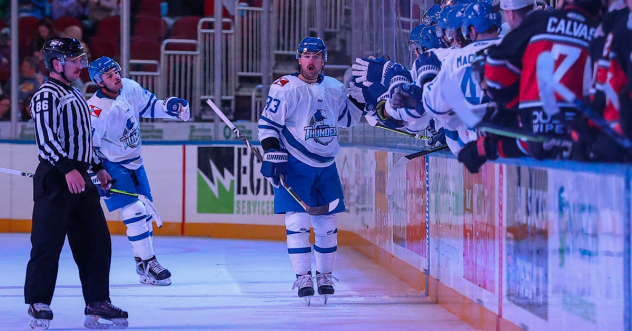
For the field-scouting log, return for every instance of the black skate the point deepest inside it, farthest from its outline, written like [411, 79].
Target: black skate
[154, 273]
[325, 284]
[104, 310]
[305, 287]
[140, 269]
[41, 315]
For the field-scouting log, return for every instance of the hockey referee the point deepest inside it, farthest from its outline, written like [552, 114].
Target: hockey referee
[66, 202]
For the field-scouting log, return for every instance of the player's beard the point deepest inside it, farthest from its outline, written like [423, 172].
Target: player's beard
[310, 72]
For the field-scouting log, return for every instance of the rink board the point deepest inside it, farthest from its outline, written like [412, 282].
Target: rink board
[537, 246]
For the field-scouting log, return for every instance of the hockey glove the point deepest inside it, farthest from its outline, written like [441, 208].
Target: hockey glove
[475, 153]
[428, 66]
[358, 92]
[437, 137]
[367, 71]
[274, 165]
[406, 96]
[177, 107]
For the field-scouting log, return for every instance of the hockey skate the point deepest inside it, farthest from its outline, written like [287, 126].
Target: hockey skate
[325, 282]
[140, 269]
[154, 273]
[104, 310]
[305, 287]
[41, 315]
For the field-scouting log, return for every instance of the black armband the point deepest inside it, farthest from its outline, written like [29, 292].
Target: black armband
[270, 143]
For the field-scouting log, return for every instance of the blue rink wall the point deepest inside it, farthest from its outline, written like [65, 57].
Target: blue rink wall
[521, 245]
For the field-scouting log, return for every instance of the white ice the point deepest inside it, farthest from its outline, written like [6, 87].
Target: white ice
[225, 285]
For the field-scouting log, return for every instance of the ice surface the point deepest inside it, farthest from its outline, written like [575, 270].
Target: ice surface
[225, 285]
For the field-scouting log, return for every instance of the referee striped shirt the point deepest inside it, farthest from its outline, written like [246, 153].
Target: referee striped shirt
[62, 127]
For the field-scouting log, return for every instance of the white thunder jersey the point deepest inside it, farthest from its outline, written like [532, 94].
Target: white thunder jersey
[456, 72]
[115, 123]
[305, 117]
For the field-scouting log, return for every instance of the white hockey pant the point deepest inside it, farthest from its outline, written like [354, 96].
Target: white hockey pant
[139, 229]
[325, 228]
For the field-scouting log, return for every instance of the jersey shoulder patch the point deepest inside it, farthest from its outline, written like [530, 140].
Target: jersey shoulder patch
[281, 81]
[95, 111]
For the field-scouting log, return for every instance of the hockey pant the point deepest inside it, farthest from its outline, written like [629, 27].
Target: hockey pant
[326, 241]
[57, 213]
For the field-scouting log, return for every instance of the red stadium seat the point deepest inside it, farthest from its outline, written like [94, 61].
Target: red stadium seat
[110, 28]
[151, 8]
[185, 28]
[65, 21]
[104, 47]
[151, 28]
[28, 27]
[85, 76]
[144, 49]
[2, 24]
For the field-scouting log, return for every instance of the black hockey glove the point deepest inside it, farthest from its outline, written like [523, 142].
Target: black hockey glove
[475, 153]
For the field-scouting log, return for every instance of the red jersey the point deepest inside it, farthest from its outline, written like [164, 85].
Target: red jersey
[510, 70]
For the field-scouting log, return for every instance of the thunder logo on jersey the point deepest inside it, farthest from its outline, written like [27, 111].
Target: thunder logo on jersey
[318, 130]
[131, 134]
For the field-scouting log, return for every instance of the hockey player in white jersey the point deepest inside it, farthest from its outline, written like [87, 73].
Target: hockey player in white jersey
[480, 26]
[115, 109]
[298, 130]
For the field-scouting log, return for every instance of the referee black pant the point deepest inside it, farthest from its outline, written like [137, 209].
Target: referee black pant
[57, 213]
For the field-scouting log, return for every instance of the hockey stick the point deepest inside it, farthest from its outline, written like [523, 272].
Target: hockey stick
[153, 211]
[474, 115]
[319, 210]
[401, 165]
[546, 80]
[374, 123]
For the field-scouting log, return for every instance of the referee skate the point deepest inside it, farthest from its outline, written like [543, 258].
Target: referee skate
[316, 165]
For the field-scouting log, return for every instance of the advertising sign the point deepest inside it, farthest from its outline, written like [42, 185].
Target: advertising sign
[229, 182]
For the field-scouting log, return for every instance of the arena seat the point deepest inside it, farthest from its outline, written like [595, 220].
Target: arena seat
[27, 26]
[104, 47]
[150, 8]
[145, 49]
[185, 28]
[151, 28]
[110, 28]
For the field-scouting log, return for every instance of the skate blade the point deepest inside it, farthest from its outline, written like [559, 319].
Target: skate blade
[39, 324]
[92, 322]
[325, 297]
[308, 300]
[147, 280]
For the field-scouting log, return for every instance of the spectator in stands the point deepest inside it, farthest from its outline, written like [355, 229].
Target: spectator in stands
[36, 8]
[72, 8]
[76, 33]
[25, 109]
[5, 108]
[45, 30]
[5, 46]
[101, 9]
[29, 80]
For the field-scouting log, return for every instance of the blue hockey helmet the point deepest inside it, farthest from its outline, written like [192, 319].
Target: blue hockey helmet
[453, 21]
[414, 36]
[100, 66]
[431, 15]
[442, 20]
[428, 39]
[482, 17]
[311, 44]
